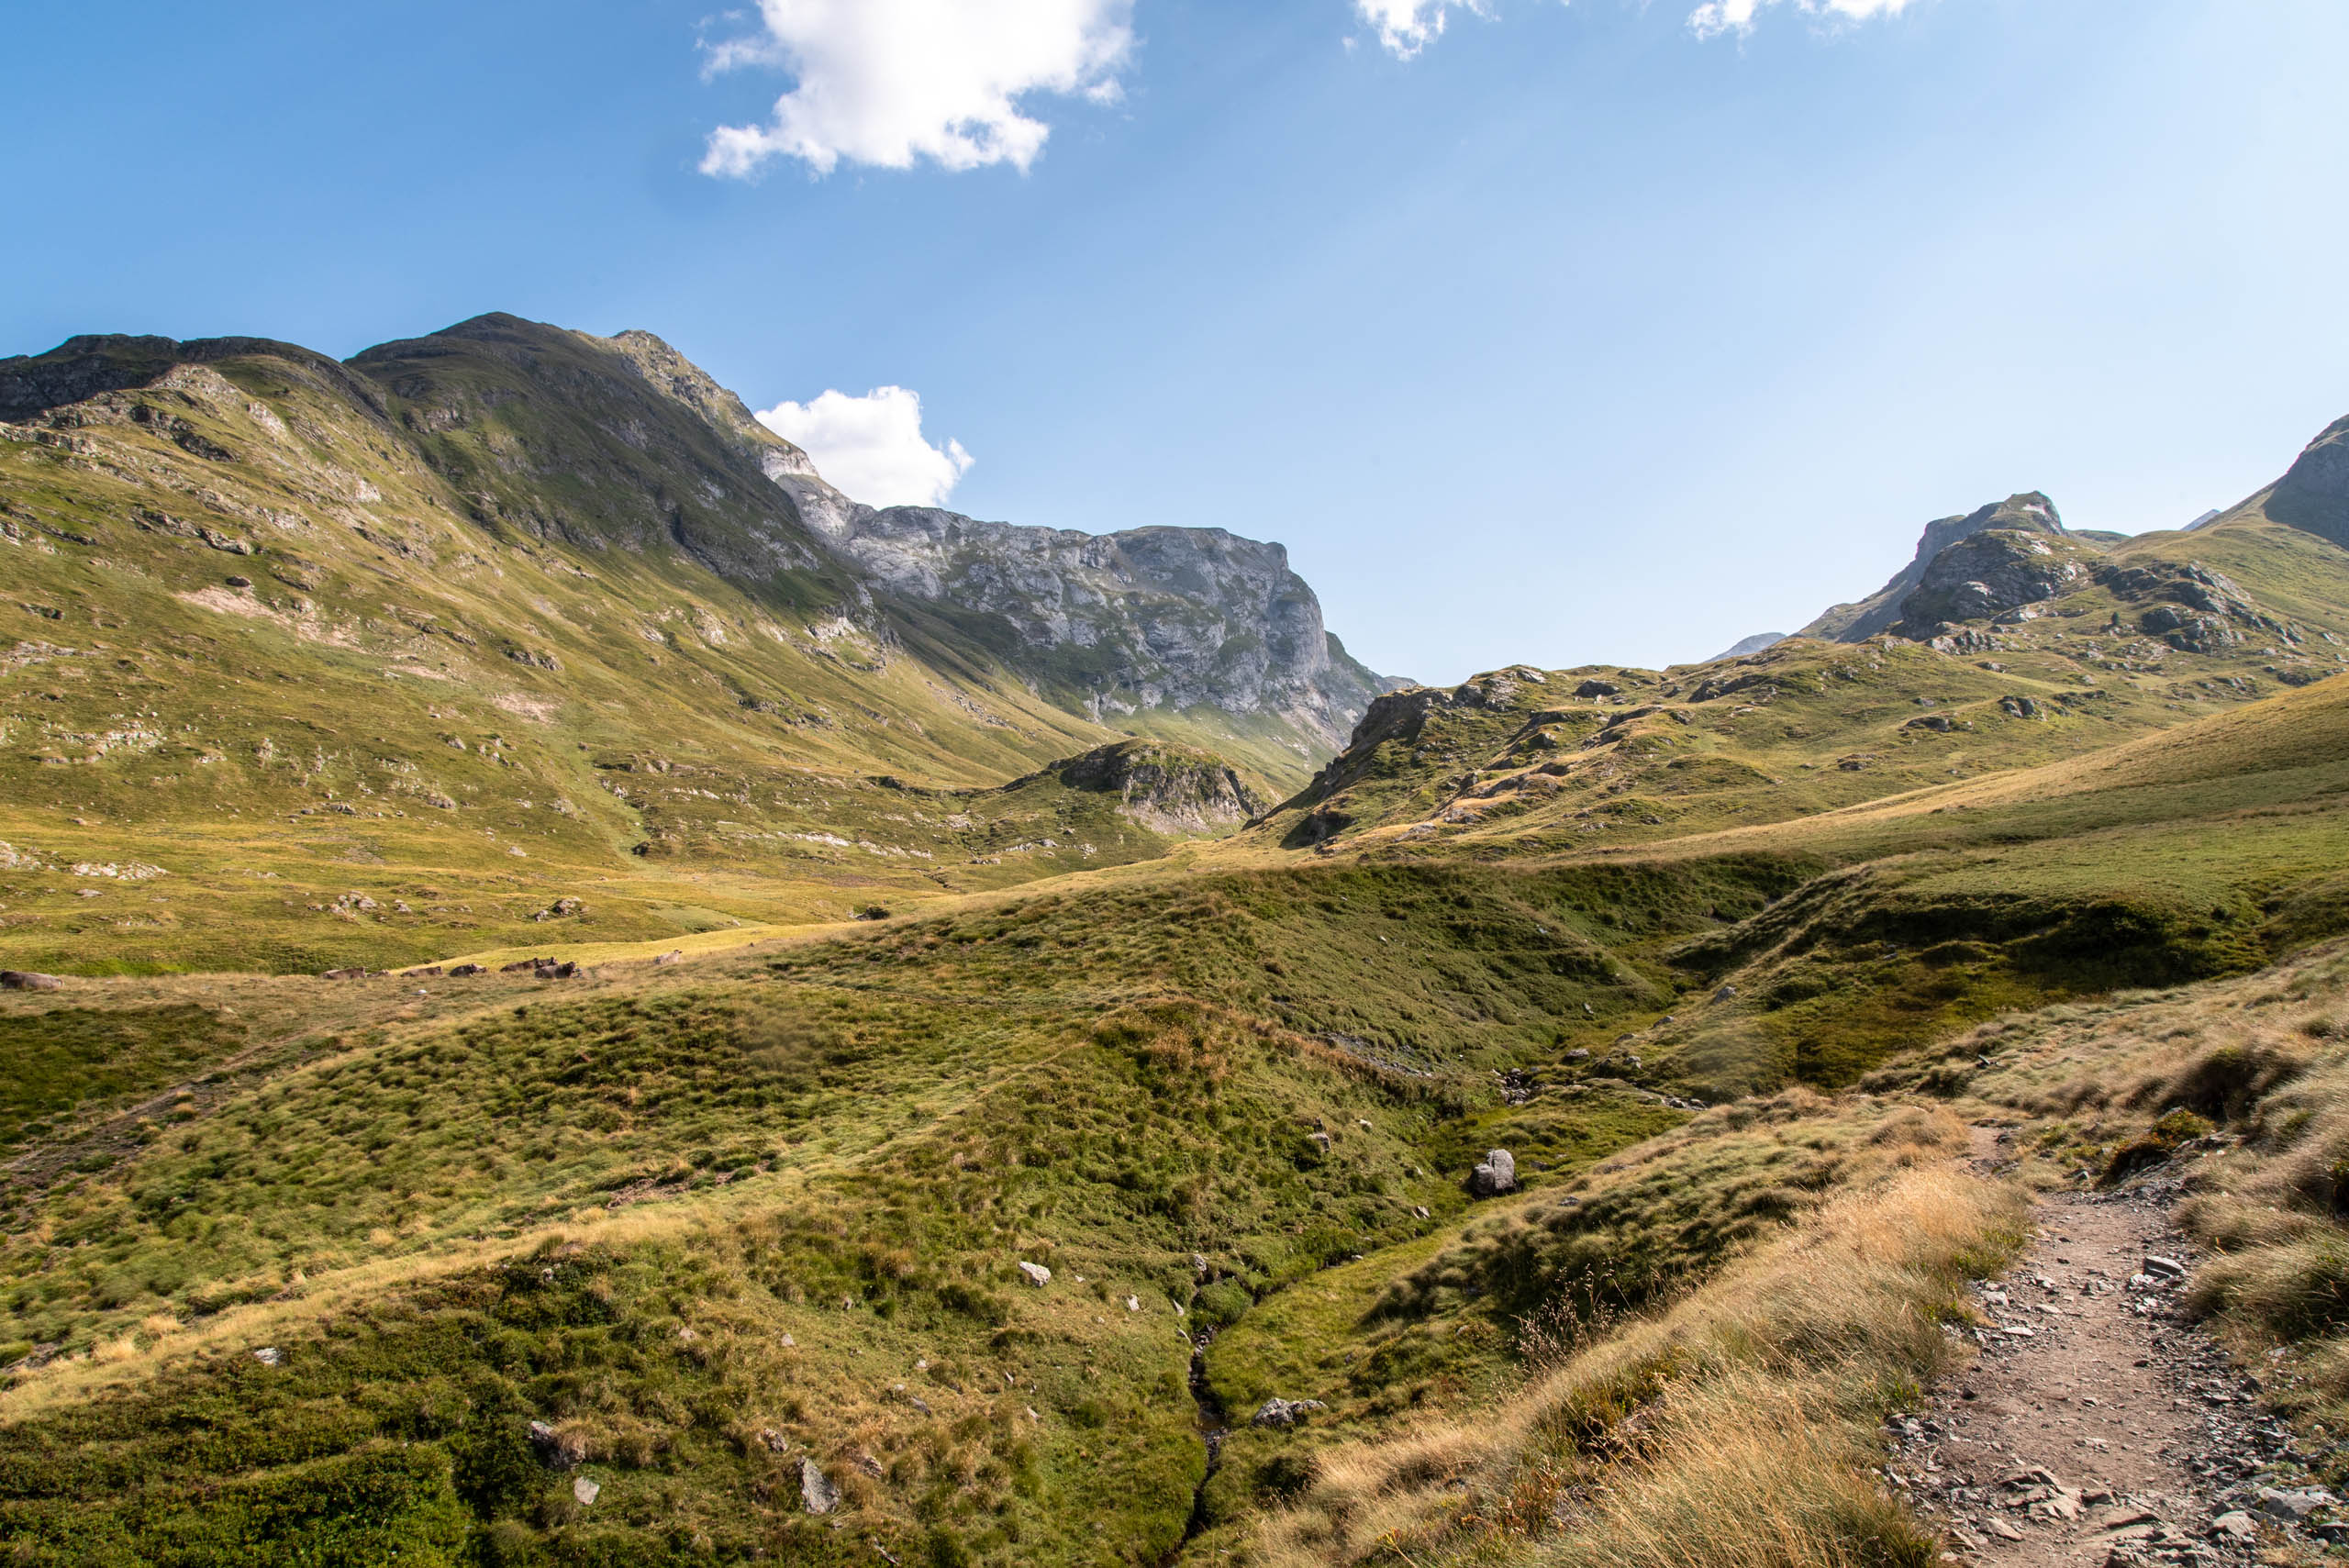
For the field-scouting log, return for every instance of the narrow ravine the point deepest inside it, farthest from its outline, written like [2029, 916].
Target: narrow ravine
[1214, 1425]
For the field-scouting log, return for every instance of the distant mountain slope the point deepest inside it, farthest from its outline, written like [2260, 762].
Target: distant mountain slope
[1112, 626]
[2010, 641]
[2314, 495]
[1745, 645]
[387, 658]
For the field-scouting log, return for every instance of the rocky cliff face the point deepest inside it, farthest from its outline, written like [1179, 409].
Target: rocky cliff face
[1113, 624]
[1996, 574]
[2028, 513]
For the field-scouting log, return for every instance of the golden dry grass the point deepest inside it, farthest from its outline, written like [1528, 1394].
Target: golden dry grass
[1731, 1426]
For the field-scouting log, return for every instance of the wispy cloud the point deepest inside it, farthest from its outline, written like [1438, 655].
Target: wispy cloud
[1717, 16]
[894, 82]
[871, 448]
[1406, 27]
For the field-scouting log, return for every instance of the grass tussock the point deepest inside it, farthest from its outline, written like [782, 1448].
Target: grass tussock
[1747, 1476]
[1731, 1426]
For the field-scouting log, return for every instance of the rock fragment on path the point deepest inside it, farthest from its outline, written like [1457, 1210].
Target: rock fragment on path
[2295, 1504]
[2235, 1525]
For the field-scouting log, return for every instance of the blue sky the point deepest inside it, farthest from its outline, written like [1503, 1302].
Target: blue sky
[1575, 336]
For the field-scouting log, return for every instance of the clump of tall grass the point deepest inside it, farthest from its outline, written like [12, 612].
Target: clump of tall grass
[1730, 1427]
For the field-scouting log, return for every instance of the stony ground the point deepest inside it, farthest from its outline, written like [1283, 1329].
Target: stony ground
[2094, 1425]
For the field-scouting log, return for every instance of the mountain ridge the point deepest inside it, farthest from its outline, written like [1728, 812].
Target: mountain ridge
[383, 658]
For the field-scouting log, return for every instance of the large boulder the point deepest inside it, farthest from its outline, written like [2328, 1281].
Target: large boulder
[1496, 1174]
[817, 1493]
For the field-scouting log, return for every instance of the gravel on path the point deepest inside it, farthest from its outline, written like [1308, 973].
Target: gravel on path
[2097, 1426]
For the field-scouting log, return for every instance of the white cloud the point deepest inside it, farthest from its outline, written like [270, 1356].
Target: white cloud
[871, 448]
[1717, 16]
[893, 81]
[1405, 27]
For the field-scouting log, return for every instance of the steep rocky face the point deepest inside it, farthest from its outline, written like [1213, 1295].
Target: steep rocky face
[2313, 495]
[1111, 624]
[2030, 512]
[1995, 574]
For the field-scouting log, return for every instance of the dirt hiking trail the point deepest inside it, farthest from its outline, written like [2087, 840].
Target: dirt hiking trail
[2095, 1425]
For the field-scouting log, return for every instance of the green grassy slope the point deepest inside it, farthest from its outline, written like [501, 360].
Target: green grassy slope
[1517, 762]
[376, 672]
[456, 1206]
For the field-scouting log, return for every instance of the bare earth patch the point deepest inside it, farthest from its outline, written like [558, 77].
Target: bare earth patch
[2095, 1425]
[538, 709]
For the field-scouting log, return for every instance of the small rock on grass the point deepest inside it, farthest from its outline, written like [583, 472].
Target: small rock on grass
[26, 980]
[1038, 1274]
[585, 1490]
[1279, 1412]
[816, 1490]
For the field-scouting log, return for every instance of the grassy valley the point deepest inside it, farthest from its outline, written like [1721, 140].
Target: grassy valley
[1106, 1193]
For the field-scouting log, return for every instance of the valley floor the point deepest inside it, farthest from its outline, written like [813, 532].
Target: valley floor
[900, 1238]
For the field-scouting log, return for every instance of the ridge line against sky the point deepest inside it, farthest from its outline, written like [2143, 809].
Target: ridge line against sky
[1605, 331]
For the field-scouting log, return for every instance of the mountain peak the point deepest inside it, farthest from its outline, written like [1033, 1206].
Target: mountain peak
[2029, 510]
